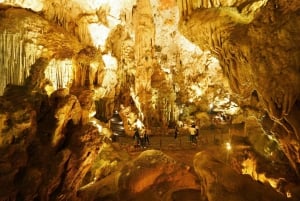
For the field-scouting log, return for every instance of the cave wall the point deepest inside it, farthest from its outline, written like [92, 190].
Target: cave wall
[257, 45]
[49, 46]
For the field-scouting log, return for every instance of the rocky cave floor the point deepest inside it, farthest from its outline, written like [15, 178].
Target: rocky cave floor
[135, 173]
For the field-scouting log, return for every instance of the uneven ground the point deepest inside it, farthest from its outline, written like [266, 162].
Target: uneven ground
[140, 178]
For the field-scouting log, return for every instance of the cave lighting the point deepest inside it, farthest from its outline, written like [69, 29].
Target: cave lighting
[233, 108]
[262, 178]
[181, 111]
[249, 168]
[95, 4]
[92, 114]
[110, 62]
[222, 101]
[288, 194]
[228, 146]
[49, 89]
[136, 100]
[166, 70]
[139, 124]
[97, 125]
[114, 7]
[99, 34]
[60, 73]
[35, 5]
[198, 91]
[187, 45]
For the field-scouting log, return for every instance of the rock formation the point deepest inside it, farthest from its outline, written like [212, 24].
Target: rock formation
[249, 52]
[67, 66]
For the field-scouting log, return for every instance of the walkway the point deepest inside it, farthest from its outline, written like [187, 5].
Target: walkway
[182, 142]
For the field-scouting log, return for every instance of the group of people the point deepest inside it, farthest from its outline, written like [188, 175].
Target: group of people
[193, 133]
[141, 137]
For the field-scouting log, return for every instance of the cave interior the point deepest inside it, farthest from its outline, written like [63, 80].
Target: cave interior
[83, 82]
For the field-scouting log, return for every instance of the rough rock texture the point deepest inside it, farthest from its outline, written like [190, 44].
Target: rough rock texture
[220, 182]
[74, 60]
[44, 145]
[18, 128]
[256, 50]
[152, 175]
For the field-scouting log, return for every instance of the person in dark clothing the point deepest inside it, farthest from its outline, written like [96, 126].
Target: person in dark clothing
[176, 132]
[146, 137]
[192, 130]
[137, 137]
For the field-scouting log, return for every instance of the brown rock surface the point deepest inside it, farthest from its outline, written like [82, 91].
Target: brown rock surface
[215, 63]
[223, 183]
[151, 175]
[256, 51]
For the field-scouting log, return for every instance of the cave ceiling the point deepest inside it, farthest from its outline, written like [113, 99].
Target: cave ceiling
[164, 57]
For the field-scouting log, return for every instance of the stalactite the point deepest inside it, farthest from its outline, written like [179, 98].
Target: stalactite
[187, 6]
[59, 13]
[60, 73]
[80, 74]
[83, 32]
[68, 16]
[16, 58]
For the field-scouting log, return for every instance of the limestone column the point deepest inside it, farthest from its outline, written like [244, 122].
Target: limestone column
[144, 29]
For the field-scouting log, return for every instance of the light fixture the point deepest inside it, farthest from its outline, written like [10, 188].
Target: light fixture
[288, 194]
[228, 146]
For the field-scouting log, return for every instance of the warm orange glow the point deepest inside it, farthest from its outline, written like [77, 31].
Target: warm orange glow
[249, 167]
[49, 89]
[139, 124]
[96, 124]
[198, 91]
[166, 4]
[288, 194]
[136, 100]
[60, 73]
[92, 114]
[273, 182]
[228, 146]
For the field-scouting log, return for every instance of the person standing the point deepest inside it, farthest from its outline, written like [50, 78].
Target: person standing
[192, 131]
[176, 132]
[137, 137]
[146, 136]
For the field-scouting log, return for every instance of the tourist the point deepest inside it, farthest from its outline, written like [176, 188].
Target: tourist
[192, 131]
[176, 132]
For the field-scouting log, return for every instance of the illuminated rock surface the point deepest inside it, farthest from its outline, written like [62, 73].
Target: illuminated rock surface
[229, 67]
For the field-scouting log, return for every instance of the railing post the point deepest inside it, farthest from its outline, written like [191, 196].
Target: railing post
[160, 143]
